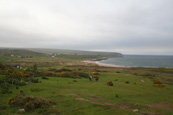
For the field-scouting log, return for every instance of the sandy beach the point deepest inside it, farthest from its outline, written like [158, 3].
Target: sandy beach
[103, 65]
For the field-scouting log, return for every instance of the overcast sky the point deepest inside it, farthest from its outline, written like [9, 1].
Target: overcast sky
[125, 26]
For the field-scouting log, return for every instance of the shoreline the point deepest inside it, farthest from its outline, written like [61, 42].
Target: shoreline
[116, 66]
[103, 65]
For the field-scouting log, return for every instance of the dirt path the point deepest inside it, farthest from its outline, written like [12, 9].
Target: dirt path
[121, 106]
[99, 101]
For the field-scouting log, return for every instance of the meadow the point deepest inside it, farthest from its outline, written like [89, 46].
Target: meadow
[140, 91]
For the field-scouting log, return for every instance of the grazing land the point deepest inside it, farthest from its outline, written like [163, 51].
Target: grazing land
[52, 83]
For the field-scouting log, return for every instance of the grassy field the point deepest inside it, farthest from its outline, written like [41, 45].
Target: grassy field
[91, 97]
[132, 89]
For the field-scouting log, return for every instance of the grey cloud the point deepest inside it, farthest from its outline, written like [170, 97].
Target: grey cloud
[126, 26]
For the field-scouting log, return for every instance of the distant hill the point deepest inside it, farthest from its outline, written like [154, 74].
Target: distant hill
[75, 52]
[19, 52]
[45, 52]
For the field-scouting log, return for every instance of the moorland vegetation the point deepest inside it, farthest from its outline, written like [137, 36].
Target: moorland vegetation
[61, 85]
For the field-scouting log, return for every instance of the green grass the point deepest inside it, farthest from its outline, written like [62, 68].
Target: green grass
[142, 95]
[86, 97]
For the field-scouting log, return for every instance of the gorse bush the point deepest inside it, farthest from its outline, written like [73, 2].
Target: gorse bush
[29, 102]
[96, 78]
[157, 84]
[109, 83]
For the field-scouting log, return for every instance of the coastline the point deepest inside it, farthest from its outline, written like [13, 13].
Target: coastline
[103, 65]
[115, 66]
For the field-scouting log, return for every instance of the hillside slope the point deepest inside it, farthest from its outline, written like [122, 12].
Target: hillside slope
[75, 52]
[18, 52]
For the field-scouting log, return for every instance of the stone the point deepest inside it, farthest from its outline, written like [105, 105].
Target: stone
[21, 110]
[142, 81]
[135, 110]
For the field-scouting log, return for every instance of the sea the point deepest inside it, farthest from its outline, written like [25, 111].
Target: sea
[140, 61]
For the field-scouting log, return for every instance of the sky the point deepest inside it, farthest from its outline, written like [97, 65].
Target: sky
[125, 26]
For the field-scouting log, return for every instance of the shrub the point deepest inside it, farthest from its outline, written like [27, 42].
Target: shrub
[49, 74]
[156, 82]
[116, 95]
[35, 89]
[109, 83]
[95, 73]
[29, 102]
[34, 81]
[85, 75]
[94, 70]
[45, 77]
[1, 81]
[68, 74]
[74, 80]
[127, 82]
[17, 87]
[66, 70]
[158, 85]
[2, 107]
[19, 83]
[52, 69]
[29, 105]
[79, 69]
[116, 80]
[11, 100]
[135, 74]
[96, 78]
[148, 74]
[5, 90]
[48, 111]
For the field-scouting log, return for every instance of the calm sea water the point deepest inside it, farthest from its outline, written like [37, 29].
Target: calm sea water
[141, 61]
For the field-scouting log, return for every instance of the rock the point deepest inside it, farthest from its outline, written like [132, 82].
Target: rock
[142, 80]
[21, 110]
[135, 110]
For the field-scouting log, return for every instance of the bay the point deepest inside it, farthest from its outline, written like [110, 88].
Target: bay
[140, 61]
